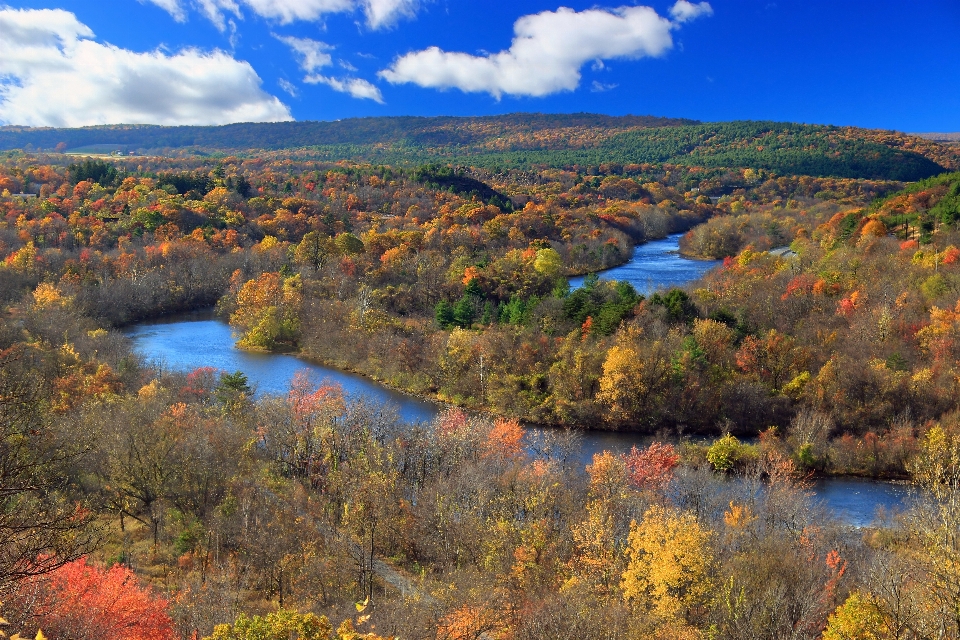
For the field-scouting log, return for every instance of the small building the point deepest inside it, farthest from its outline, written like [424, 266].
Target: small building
[786, 253]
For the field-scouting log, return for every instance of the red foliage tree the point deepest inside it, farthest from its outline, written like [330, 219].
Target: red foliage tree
[450, 422]
[200, 382]
[651, 468]
[84, 602]
[311, 402]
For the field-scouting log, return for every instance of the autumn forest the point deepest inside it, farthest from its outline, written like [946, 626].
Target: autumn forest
[434, 256]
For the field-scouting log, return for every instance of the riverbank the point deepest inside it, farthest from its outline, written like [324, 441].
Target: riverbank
[187, 343]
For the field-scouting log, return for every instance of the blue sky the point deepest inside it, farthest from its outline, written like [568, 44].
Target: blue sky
[881, 64]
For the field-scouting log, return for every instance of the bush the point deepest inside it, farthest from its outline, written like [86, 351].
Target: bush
[728, 453]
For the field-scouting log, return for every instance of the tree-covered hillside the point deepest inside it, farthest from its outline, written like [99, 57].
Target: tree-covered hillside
[537, 140]
[786, 148]
[141, 502]
[406, 131]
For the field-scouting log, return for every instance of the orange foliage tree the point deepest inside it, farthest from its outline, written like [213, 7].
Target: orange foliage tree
[84, 602]
[505, 440]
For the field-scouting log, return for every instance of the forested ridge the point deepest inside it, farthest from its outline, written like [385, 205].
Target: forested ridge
[141, 502]
[527, 141]
[404, 130]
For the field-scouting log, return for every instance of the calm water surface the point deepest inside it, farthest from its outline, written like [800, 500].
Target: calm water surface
[196, 340]
[656, 265]
[186, 342]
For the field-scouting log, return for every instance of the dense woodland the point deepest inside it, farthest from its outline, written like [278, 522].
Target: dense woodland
[525, 141]
[530, 130]
[145, 503]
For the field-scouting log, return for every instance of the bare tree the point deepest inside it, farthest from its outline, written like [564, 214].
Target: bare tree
[40, 527]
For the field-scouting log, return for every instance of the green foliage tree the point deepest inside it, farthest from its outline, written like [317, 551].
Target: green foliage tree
[316, 249]
[348, 244]
[99, 171]
[678, 305]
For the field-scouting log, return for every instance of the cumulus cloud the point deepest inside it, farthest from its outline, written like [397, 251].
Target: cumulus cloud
[52, 73]
[548, 51]
[356, 87]
[684, 11]
[379, 13]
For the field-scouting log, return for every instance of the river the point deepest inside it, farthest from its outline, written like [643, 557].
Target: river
[656, 265]
[188, 341]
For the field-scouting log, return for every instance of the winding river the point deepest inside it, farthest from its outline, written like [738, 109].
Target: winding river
[656, 265]
[188, 341]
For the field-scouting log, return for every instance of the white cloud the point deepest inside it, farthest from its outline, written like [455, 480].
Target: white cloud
[288, 86]
[53, 74]
[684, 11]
[547, 53]
[312, 53]
[287, 11]
[379, 13]
[383, 13]
[214, 10]
[173, 7]
[356, 87]
[599, 87]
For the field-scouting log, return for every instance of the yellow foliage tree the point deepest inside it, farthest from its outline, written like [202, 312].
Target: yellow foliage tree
[608, 478]
[858, 618]
[48, 296]
[596, 563]
[24, 259]
[934, 522]
[622, 384]
[670, 560]
[268, 311]
[548, 263]
[715, 338]
[635, 375]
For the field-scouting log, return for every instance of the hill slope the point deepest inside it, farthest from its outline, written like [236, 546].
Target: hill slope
[552, 140]
[409, 131]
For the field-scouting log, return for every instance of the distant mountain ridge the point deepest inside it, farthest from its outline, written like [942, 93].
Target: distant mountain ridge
[523, 140]
[410, 130]
[940, 137]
